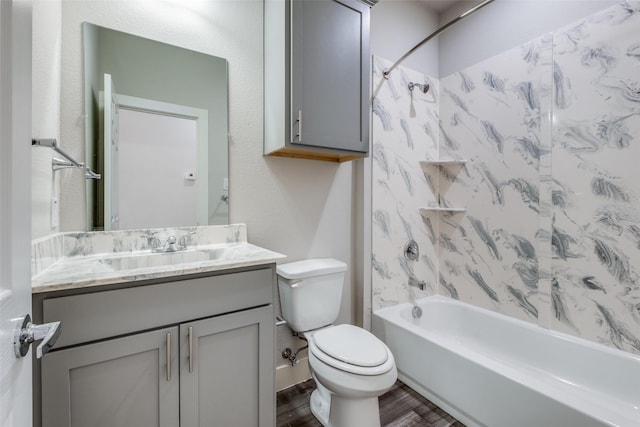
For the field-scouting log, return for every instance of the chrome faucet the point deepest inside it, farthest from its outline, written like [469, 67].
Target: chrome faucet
[420, 284]
[170, 245]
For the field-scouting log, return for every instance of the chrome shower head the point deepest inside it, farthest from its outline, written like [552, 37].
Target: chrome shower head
[423, 87]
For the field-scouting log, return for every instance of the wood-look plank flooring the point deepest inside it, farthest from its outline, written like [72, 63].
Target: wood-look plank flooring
[399, 407]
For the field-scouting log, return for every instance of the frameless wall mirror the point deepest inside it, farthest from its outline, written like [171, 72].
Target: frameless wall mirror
[156, 129]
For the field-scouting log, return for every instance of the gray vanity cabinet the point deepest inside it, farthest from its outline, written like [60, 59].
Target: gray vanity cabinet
[317, 67]
[194, 352]
[116, 383]
[220, 383]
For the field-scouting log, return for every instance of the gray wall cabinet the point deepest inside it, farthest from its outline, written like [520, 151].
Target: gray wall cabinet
[205, 358]
[317, 79]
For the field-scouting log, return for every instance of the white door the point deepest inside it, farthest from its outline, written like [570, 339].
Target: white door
[15, 207]
[111, 156]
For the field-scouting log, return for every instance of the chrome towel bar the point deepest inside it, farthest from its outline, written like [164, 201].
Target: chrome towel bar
[68, 162]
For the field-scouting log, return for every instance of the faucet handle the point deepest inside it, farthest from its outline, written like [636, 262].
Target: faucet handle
[185, 239]
[152, 241]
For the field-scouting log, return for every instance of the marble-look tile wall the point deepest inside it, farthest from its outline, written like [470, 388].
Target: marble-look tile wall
[405, 131]
[595, 286]
[550, 132]
[491, 114]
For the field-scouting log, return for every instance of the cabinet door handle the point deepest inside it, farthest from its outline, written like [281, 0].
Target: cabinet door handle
[190, 349]
[168, 356]
[299, 121]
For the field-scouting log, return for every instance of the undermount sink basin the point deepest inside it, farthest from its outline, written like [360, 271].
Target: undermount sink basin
[159, 259]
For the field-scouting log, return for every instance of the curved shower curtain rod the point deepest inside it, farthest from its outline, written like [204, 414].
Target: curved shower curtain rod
[388, 71]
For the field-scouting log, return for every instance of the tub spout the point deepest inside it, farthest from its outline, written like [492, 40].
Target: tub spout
[420, 284]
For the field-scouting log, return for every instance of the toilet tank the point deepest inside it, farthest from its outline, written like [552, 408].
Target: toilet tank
[310, 292]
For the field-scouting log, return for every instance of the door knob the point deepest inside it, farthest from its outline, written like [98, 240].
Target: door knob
[29, 332]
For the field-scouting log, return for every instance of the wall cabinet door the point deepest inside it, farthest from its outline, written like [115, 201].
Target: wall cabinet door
[227, 370]
[121, 382]
[317, 79]
[330, 70]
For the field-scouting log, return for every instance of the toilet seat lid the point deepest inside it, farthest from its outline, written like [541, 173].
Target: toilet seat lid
[352, 345]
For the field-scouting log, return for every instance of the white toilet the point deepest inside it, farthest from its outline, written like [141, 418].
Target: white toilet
[350, 365]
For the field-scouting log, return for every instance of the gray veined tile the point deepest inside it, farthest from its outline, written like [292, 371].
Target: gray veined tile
[530, 149]
[602, 187]
[466, 83]
[380, 157]
[618, 332]
[450, 288]
[407, 177]
[529, 192]
[493, 82]
[528, 273]
[485, 237]
[523, 301]
[493, 135]
[563, 96]
[477, 277]
[614, 131]
[561, 243]
[591, 283]
[616, 262]
[528, 93]
[634, 51]
[558, 305]
[381, 220]
[407, 132]
[599, 57]
[379, 267]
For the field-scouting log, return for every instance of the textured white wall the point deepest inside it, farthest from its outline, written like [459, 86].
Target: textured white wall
[46, 110]
[397, 26]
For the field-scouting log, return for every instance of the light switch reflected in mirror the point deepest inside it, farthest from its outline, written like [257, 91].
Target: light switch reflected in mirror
[166, 160]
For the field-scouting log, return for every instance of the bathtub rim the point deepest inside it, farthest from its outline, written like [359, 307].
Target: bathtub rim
[382, 312]
[577, 400]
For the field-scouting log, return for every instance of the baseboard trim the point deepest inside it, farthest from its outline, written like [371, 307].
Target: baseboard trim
[287, 375]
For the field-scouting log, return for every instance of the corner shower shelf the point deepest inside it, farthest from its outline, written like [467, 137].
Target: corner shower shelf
[431, 209]
[440, 209]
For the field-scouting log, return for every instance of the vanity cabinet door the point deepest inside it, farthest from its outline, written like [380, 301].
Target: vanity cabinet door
[227, 370]
[120, 382]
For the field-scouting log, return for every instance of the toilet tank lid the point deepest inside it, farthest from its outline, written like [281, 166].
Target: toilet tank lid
[310, 268]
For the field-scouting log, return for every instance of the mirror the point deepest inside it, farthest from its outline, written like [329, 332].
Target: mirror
[166, 124]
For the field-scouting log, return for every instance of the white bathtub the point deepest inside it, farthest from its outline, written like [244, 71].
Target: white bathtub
[487, 369]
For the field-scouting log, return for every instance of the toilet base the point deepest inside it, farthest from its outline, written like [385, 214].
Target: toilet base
[335, 411]
[319, 407]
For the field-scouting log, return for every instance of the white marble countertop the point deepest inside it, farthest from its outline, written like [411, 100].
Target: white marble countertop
[104, 269]
[85, 259]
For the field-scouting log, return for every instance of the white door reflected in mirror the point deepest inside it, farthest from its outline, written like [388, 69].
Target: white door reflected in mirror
[157, 163]
[162, 195]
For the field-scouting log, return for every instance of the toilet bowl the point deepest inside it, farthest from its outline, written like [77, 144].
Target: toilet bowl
[355, 368]
[350, 365]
